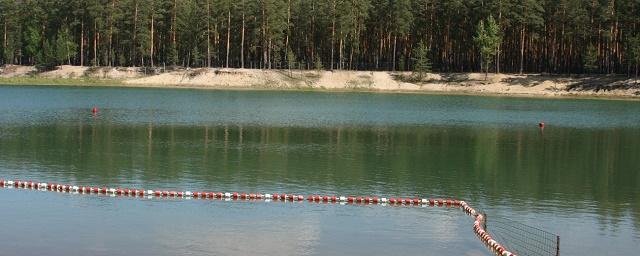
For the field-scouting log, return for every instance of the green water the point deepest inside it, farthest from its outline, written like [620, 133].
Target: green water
[578, 178]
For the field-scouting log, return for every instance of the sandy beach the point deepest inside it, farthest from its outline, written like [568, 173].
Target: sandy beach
[537, 85]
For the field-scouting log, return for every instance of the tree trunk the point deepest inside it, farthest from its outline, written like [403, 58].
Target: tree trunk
[174, 28]
[95, 43]
[242, 39]
[333, 32]
[113, 8]
[265, 53]
[228, 35]
[269, 54]
[379, 51]
[395, 42]
[351, 58]
[313, 31]
[151, 41]
[498, 50]
[68, 53]
[340, 51]
[522, 31]
[286, 40]
[135, 33]
[4, 43]
[82, 43]
[208, 34]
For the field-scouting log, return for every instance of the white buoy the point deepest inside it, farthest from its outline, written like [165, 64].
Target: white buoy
[268, 196]
[343, 199]
[227, 195]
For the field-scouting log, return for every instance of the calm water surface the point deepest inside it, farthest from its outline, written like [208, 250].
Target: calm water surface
[579, 178]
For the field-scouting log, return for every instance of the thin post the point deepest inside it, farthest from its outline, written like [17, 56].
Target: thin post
[484, 223]
[557, 245]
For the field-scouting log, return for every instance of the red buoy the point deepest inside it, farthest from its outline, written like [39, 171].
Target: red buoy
[541, 125]
[94, 110]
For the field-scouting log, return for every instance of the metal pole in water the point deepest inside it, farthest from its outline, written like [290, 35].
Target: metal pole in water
[557, 245]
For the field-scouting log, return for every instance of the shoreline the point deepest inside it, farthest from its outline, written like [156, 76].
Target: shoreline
[422, 92]
[603, 87]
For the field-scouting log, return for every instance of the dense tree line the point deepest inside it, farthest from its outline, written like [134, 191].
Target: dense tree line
[558, 36]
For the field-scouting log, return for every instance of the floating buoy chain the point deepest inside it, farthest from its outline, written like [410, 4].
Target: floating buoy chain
[478, 228]
[368, 200]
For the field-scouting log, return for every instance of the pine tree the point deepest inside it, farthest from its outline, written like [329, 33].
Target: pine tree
[590, 61]
[34, 43]
[633, 49]
[273, 18]
[11, 37]
[65, 48]
[318, 64]
[488, 39]
[196, 57]
[421, 62]
[291, 60]
[401, 23]
[538, 35]
[530, 18]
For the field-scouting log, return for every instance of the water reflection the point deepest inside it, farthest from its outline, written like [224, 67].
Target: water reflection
[578, 178]
[562, 170]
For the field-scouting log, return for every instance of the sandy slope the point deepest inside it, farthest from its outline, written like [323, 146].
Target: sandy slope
[9, 71]
[471, 83]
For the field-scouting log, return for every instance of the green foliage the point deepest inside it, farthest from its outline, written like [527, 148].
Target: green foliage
[317, 63]
[46, 59]
[487, 39]
[291, 60]
[402, 63]
[402, 16]
[552, 36]
[196, 58]
[172, 54]
[590, 60]
[421, 62]
[65, 48]
[633, 49]
[33, 43]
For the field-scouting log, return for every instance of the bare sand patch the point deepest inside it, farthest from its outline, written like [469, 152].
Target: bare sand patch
[9, 71]
[466, 83]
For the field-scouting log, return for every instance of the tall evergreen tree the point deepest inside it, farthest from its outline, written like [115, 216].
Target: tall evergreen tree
[421, 62]
[65, 48]
[488, 39]
[633, 49]
[590, 60]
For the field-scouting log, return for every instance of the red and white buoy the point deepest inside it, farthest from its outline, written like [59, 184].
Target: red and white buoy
[484, 236]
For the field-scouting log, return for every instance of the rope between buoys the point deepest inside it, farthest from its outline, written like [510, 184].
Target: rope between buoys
[478, 225]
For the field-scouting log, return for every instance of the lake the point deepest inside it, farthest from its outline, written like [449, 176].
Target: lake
[578, 178]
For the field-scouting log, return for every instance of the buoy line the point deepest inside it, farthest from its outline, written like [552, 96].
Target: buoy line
[478, 225]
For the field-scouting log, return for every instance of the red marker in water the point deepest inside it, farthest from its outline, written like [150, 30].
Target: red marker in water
[541, 125]
[94, 110]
